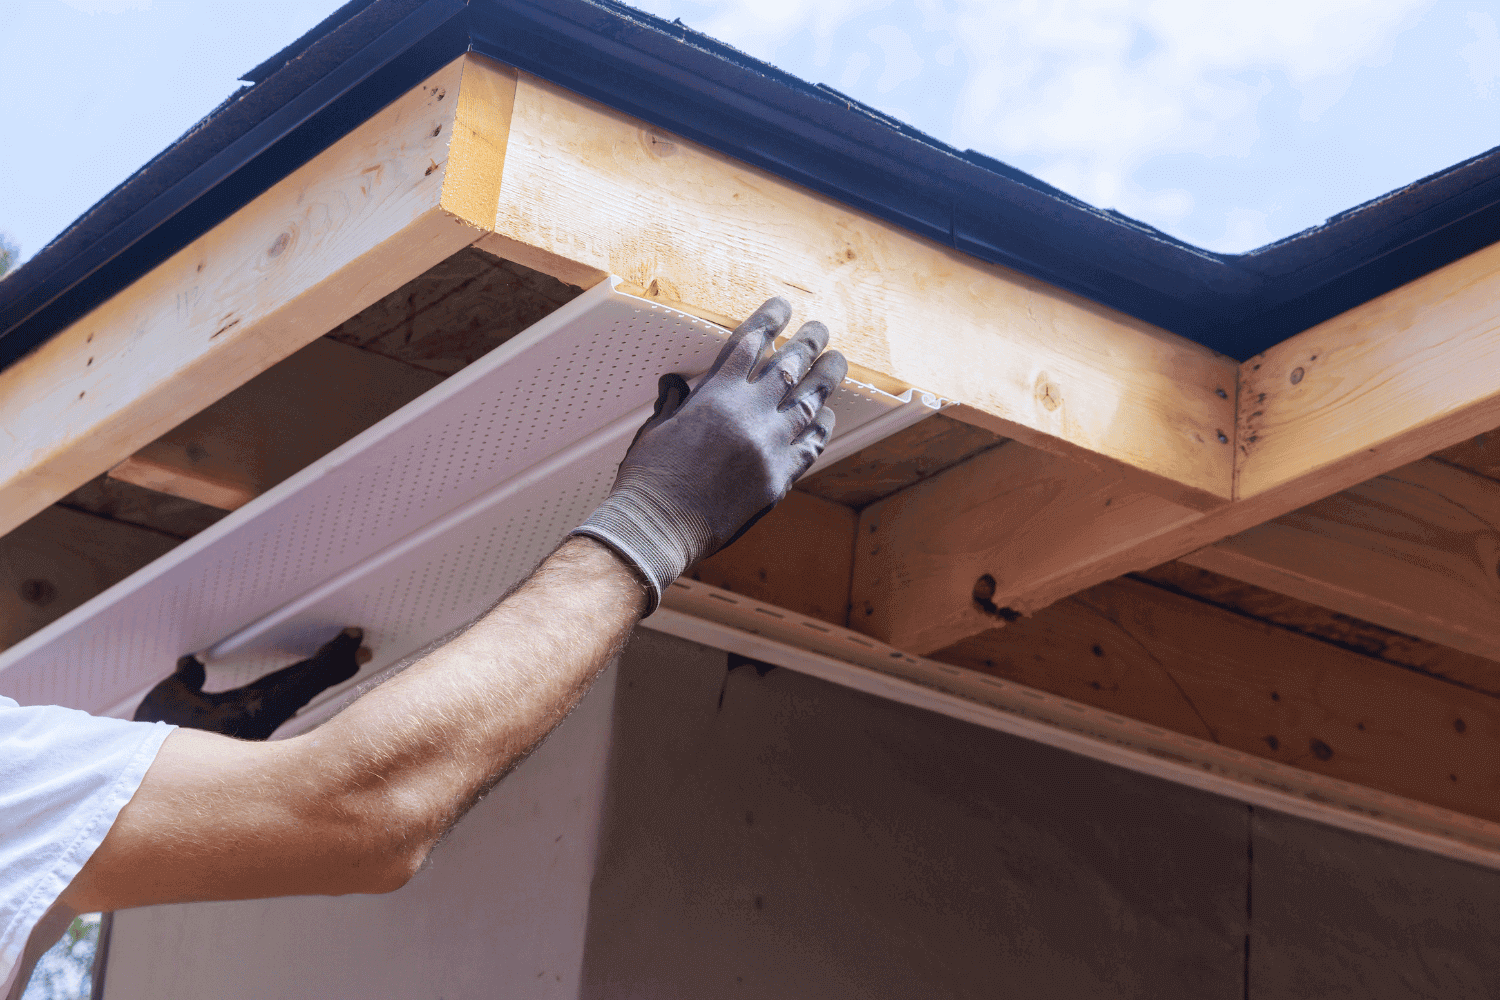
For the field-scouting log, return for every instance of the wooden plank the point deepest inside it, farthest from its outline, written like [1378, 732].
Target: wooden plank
[915, 571]
[1479, 454]
[799, 556]
[1389, 381]
[275, 425]
[1402, 650]
[455, 312]
[589, 191]
[919, 452]
[1414, 550]
[117, 501]
[1188, 666]
[1035, 526]
[343, 230]
[61, 558]
[1349, 400]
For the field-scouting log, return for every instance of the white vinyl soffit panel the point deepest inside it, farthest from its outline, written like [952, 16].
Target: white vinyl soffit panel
[413, 527]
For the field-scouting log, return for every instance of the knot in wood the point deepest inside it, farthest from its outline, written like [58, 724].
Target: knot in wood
[1296, 375]
[38, 592]
[984, 588]
[1048, 394]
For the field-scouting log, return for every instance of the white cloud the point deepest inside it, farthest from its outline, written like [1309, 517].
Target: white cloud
[1098, 86]
[1483, 54]
[902, 63]
[1085, 92]
[854, 68]
[1243, 227]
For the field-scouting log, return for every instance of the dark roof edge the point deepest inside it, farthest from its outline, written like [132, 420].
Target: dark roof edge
[256, 138]
[370, 51]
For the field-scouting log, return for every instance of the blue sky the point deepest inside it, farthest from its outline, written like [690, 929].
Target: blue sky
[1225, 124]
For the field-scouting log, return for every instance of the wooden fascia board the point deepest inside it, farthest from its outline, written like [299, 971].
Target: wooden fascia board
[402, 191]
[588, 190]
[1384, 384]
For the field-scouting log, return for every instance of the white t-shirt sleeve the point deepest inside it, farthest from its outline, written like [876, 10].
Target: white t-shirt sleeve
[64, 777]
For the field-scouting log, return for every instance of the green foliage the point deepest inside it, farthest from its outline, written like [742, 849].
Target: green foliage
[66, 971]
[10, 252]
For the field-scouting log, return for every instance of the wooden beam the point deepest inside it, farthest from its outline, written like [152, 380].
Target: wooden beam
[588, 191]
[907, 457]
[1414, 550]
[1193, 668]
[1398, 648]
[1479, 454]
[455, 312]
[117, 501]
[799, 557]
[273, 426]
[404, 190]
[59, 559]
[1389, 381]
[1018, 527]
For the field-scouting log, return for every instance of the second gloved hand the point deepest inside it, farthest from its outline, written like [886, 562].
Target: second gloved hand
[711, 462]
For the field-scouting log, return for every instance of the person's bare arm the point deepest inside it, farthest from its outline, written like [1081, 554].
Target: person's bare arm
[357, 804]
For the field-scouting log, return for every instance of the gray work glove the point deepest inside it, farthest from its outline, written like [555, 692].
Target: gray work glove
[711, 461]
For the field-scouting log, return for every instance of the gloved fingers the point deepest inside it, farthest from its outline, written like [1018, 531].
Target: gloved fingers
[190, 671]
[792, 361]
[816, 434]
[808, 445]
[671, 390]
[747, 345]
[803, 401]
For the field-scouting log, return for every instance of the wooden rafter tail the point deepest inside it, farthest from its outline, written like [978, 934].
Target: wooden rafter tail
[404, 190]
[1002, 535]
[1391, 380]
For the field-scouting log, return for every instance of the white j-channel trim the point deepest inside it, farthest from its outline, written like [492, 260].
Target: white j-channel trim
[736, 624]
[915, 406]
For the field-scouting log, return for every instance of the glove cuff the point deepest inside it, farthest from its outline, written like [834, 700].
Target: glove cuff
[657, 538]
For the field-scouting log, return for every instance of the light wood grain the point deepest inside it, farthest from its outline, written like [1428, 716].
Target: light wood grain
[275, 425]
[455, 312]
[1039, 526]
[1479, 454]
[1184, 665]
[798, 556]
[353, 223]
[1355, 634]
[919, 452]
[594, 188]
[1415, 550]
[1389, 381]
[59, 559]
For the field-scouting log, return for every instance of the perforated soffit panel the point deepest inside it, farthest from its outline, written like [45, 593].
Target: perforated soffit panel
[413, 527]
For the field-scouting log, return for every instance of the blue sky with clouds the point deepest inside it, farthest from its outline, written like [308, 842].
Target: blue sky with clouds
[1228, 125]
